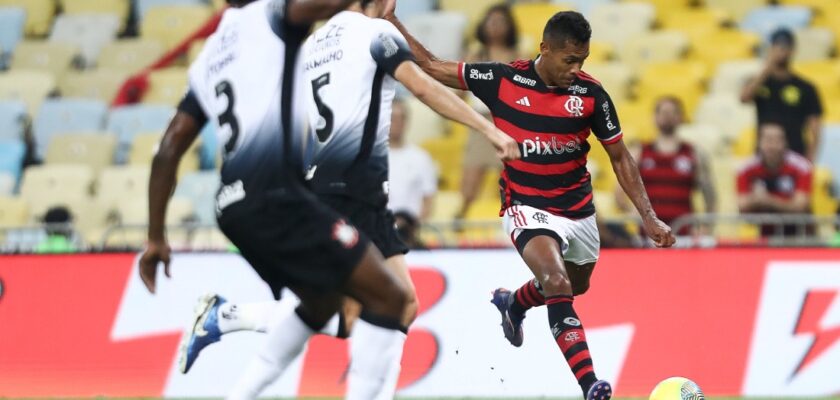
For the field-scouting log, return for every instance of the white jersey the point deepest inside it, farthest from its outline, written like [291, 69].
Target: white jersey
[244, 80]
[349, 64]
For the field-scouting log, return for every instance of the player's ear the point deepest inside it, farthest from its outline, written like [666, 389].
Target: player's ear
[544, 48]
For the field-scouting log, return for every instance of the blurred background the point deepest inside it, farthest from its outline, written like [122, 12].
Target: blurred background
[87, 88]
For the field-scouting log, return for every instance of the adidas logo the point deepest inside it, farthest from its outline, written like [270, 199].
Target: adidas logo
[524, 102]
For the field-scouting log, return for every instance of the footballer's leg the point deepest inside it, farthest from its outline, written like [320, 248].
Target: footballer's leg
[543, 256]
[289, 333]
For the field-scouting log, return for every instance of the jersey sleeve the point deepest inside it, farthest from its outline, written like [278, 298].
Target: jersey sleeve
[388, 47]
[482, 79]
[604, 121]
[190, 105]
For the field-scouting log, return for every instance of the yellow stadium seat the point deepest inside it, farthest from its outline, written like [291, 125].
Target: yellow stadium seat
[117, 184]
[483, 209]
[195, 50]
[724, 45]
[738, 8]
[825, 75]
[166, 86]
[531, 18]
[95, 150]
[817, 44]
[819, 6]
[599, 52]
[146, 145]
[52, 57]
[421, 123]
[600, 167]
[831, 109]
[745, 143]
[665, 8]
[616, 78]
[490, 185]
[172, 24]
[135, 211]
[130, 55]
[727, 113]
[98, 84]
[30, 87]
[47, 185]
[606, 204]
[731, 76]
[446, 205]
[447, 154]
[116, 7]
[829, 19]
[13, 211]
[636, 119]
[654, 47]
[682, 79]
[695, 22]
[39, 15]
[614, 23]
[706, 137]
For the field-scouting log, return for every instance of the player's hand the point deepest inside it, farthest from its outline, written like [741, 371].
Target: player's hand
[506, 148]
[156, 252]
[659, 232]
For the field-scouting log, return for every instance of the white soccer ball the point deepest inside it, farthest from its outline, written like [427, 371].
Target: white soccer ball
[677, 388]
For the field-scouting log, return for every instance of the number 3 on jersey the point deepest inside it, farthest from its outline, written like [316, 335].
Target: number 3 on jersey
[228, 117]
[324, 127]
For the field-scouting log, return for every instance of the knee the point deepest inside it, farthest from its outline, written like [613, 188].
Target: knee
[556, 283]
[411, 309]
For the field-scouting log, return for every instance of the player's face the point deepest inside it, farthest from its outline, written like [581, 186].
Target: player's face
[563, 63]
[668, 117]
[772, 144]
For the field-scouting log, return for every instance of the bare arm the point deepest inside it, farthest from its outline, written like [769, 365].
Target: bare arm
[628, 177]
[445, 72]
[813, 129]
[426, 209]
[447, 104]
[305, 12]
[621, 199]
[703, 177]
[181, 133]
[751, 88]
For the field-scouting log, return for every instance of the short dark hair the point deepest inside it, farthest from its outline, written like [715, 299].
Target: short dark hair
[512, 37]
[567, 26]
[783, 37]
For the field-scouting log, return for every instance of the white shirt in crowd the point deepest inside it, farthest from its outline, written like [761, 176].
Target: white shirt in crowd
[412, 176]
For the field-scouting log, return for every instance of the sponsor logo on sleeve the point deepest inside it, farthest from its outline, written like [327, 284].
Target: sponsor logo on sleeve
[478, 75]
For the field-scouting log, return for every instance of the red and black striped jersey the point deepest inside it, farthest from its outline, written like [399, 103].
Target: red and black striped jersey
[669, 180]
[551, 125]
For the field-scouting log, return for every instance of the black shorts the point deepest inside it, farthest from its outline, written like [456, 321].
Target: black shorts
[375, 222]
[292, 239]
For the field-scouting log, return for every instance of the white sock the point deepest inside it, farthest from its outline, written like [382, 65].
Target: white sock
[287, 337]
[245, 317]
[390, 389]
[374, 353]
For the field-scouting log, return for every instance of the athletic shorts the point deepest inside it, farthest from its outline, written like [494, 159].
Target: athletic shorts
[377, 223]
[579, 240]
[292, 239]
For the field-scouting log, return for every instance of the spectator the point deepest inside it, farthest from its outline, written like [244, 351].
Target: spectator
[498, 37]
[412, 174]
[776, 180]
[784, 97]
[671, 168]
[57, 223]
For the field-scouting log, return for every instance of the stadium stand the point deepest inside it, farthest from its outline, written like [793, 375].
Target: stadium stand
[200, 189]
[29, 87]
[128, 121]
[54, 58]
[130, 55]
[60, 116]
[98, 84]
[88, 32]
[436, 31]
[12, 152]
[117, 8]
[39, 15]
[13, 120]
[12, 20]
[95, 150]
[171, 24]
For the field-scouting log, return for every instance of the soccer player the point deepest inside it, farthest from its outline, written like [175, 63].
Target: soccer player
[248, 79]
[351, 66]
[550, 105]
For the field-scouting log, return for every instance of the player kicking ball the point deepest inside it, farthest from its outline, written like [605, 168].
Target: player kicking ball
[352, 65]
[550, 106]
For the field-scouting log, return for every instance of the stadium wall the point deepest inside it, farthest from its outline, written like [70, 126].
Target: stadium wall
[737, 321]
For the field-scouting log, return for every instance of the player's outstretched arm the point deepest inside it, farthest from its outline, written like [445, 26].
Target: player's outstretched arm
[447, 104]
[445, 72]
[305, 12]
[628, 177]
[181, 133]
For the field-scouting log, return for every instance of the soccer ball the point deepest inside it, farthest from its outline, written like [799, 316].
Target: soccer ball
[677, 388]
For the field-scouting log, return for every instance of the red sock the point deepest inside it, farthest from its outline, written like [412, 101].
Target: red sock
[568, 332]
[526, 297]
